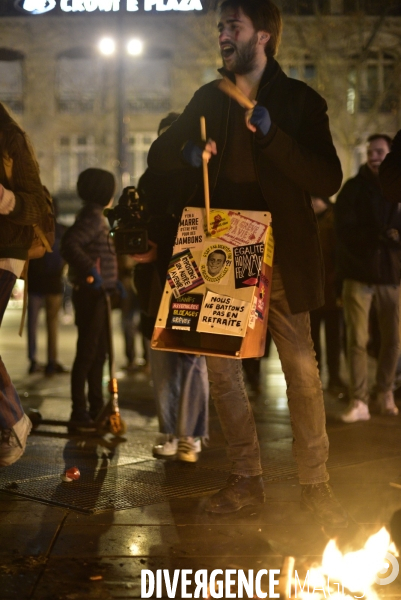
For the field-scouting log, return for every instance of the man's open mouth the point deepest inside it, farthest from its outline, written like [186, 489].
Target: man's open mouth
[227, 50]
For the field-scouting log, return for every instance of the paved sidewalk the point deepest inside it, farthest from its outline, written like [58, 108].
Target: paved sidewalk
[133, 512]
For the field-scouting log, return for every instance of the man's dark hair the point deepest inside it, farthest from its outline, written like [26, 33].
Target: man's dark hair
[218, 252]
[265, 16]
[380, 136]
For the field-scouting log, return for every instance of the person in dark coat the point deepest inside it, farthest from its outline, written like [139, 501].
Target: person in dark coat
[390, 181]
[87, 249]
[330, 314]
[390, 171]
[130, 315]
[271, 158]
[368, 231]
[46, 287]
[180, 381]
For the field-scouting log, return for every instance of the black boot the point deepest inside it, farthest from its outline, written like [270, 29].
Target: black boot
[81, 422]
[320, 499]
[239, 491]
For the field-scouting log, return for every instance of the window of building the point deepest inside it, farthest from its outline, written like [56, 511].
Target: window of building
[74, 154]
[336, 7]
[137, 153]
[78, 79]
[372, 7]
[301, 68]
[11, 79]
[147, 84]
[372, 84]
[305, 7]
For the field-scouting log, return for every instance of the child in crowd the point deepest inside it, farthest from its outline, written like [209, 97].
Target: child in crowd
[87, 249]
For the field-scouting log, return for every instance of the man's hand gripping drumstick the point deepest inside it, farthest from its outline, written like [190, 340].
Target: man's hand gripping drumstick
[257, 117]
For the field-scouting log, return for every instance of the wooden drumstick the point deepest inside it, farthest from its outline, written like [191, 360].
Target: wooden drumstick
[205, 176]
[229, 88]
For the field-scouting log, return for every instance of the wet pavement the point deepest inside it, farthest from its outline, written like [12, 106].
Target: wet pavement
[129, 512]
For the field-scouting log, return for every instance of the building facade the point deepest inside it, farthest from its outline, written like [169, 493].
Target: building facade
[83, 108]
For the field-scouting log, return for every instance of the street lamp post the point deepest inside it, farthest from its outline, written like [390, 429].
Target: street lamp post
[121, 127]
[108, 47]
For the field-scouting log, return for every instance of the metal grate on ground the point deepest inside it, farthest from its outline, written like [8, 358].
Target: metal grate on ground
[119, 488]
[118, 474]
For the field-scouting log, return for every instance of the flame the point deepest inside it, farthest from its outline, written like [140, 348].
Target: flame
[354, 572]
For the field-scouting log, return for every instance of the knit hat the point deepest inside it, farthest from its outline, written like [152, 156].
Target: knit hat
[96, 185]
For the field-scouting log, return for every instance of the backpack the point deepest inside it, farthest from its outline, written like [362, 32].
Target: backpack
[43, 232]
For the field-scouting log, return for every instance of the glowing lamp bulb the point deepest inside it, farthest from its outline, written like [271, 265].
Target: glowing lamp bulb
[107, 46]
[135, 47]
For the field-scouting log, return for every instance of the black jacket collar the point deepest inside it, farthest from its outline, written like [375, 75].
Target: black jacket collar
[271, 71]
[369, 176]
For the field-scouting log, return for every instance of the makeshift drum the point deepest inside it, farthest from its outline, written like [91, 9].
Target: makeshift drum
[216, 296]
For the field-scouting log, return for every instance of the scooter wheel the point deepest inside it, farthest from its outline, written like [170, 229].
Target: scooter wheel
[35, 417]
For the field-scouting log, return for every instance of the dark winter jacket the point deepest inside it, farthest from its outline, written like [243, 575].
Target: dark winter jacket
[366, 251]
[86, 245]
[45, 275]
[295, 160]
[390, 172]
[16, 231]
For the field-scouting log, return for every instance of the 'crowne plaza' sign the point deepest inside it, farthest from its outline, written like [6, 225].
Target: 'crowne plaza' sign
[39, 7]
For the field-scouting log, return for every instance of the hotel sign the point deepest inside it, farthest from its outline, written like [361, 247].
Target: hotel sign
[40, 7]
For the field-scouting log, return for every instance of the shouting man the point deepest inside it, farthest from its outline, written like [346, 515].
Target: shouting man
[274, 157]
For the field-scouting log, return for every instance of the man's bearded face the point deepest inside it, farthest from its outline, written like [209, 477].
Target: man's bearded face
[239, 56]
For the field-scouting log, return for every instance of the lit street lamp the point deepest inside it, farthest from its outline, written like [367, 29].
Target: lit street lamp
[108, 47]
[135, 47]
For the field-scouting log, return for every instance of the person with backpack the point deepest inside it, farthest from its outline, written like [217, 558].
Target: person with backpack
[23, 204]
[87, 249]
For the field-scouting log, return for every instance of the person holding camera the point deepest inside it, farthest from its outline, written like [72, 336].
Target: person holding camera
[87, 249]
[180, 381]
[368, 231]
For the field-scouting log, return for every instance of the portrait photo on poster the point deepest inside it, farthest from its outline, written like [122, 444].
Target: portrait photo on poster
[215, 264]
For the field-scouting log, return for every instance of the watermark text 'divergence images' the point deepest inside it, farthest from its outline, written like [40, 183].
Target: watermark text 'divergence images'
[233, 583]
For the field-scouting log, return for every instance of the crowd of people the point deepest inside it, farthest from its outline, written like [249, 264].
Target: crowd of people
[277, 156]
